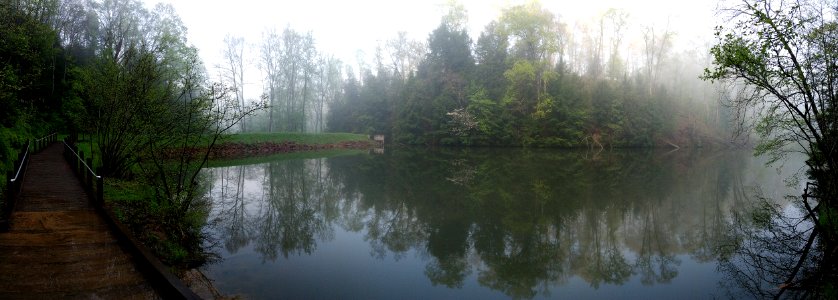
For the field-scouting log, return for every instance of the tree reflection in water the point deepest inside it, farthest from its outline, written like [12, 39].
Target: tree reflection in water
[232, 198]
[518, 221]
[778, 254]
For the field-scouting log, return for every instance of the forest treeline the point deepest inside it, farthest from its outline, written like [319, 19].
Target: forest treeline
[32, 85]
[530, 79]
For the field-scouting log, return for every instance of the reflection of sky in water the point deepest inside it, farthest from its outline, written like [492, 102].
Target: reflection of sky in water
[353, 255]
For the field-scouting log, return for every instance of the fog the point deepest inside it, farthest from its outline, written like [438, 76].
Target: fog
[351, 30]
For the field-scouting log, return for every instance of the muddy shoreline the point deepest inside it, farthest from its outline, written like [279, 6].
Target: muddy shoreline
[243, 150]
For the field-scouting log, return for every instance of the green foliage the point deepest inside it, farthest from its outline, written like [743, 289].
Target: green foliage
[782, 57]
[439, 88]
[32, 65]
[31, 88]
[518, 90]
[175, 241]
[532, 26]
[522, 82]
[129, 78]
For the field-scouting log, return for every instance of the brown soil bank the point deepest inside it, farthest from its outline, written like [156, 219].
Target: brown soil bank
[240, 150]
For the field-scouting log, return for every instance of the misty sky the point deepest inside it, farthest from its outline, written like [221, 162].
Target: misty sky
[344, 28]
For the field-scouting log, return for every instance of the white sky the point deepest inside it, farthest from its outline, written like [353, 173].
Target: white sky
[344, 27]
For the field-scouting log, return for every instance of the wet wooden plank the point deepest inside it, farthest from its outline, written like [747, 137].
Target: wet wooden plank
[58, 247]
[56, 220]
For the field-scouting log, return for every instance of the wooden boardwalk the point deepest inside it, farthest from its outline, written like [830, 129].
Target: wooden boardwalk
[58, 246]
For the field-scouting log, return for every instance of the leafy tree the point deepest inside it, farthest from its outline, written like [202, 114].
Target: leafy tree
[532, 35]
[440, 87]
[31, 65]
[344, 111]
[144, 69]
[490, 54]
[785, 64]
[32, 73]
[782, 57]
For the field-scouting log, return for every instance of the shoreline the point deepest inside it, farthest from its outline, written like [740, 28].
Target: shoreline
[232, 150]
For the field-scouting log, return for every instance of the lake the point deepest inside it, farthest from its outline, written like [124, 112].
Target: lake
[486, 223]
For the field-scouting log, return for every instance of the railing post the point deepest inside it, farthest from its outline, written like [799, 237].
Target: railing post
[7, 204]
[75, 159]
[80, 164]
[88, 175]
[78, 161]
[17, 163]
[14, 188]
[100, 190]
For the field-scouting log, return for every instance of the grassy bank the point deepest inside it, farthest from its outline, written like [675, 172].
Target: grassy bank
[87, 146]
[299, 138]
[250, 145]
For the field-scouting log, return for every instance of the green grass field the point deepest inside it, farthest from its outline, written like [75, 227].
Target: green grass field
[300, 138]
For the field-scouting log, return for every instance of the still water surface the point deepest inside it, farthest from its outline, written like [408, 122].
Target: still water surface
[484, 223]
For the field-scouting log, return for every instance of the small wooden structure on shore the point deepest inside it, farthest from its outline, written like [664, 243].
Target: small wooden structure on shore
[378, 138]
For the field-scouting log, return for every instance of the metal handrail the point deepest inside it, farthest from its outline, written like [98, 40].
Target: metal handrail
[46, 136]
[22, 163]
[12, 188]
[81, 160]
